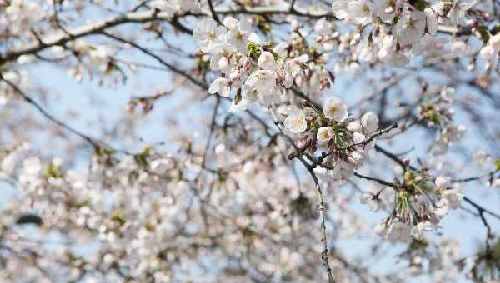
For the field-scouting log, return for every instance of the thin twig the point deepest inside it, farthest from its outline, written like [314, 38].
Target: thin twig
[214, 13]
[322, 208]
[49, 116]
[380, 181]
[211, 132]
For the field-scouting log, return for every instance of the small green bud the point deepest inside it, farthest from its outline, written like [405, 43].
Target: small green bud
[254, 50]
[53, 171]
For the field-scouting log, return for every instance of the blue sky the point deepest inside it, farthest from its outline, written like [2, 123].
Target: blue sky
[102, 107]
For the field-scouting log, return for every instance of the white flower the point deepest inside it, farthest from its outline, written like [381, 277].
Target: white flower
[220, 60]
[386, 47]
[384, 10]
[324, 135]
[354, 126]
[209, 35]
[410, 27]
[9, 163]
[291, 68]
[221, 86]
[431, 20]
[398, 231]
[237, 34]
[3, 100]
[230, 23]
[442, 182]
[334, 108]
[170, 7]
[100, 53]
[161, 165]
[25, 59]
[254, 38]
[365, 51]
[494, 41]
[355, 11]
[266, 61]
[356, 157]
[12, 76]
[223, 64]
[496, 183]
[31, 170]
[322, 173]
[422, 227]
[220, 148]
[32, 166]
[441, 208]
[57, 50]
[370, 200]
[342, 170]
[302, 59]
[458, 13]
[323, 27]
[296, 122]
[358, 138]
[260, 84]
[379, 229]
[360, 11]
[340, 9]
[487, 59]
[369, 122]
[281, 49]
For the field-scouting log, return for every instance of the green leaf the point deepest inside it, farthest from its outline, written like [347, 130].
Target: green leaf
[483, 32]
[118, 217]
[254, 50]
[142, 158]
[419, 4]
[53, 171]
[418, 244]
[495, 29]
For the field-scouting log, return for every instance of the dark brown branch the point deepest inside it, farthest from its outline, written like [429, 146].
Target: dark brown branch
[96, 28]
[481, 209]
[475, 178]
[214, 13]
[158, 58]
[380, 181]
[481, 213]
[394, 158]
[277, 11]
[322, 207]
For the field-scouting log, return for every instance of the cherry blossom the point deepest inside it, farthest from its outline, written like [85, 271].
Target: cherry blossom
[249, 141]
[325, 134]
[334, 108]
[296, 122]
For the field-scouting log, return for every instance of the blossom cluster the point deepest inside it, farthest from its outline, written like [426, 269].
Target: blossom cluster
[274, 76]
[436, 110]
[256, 71]
[139, 214]
[340, 141]
[396, 32]
[236, 207]
[416, 206]
[253, 71]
